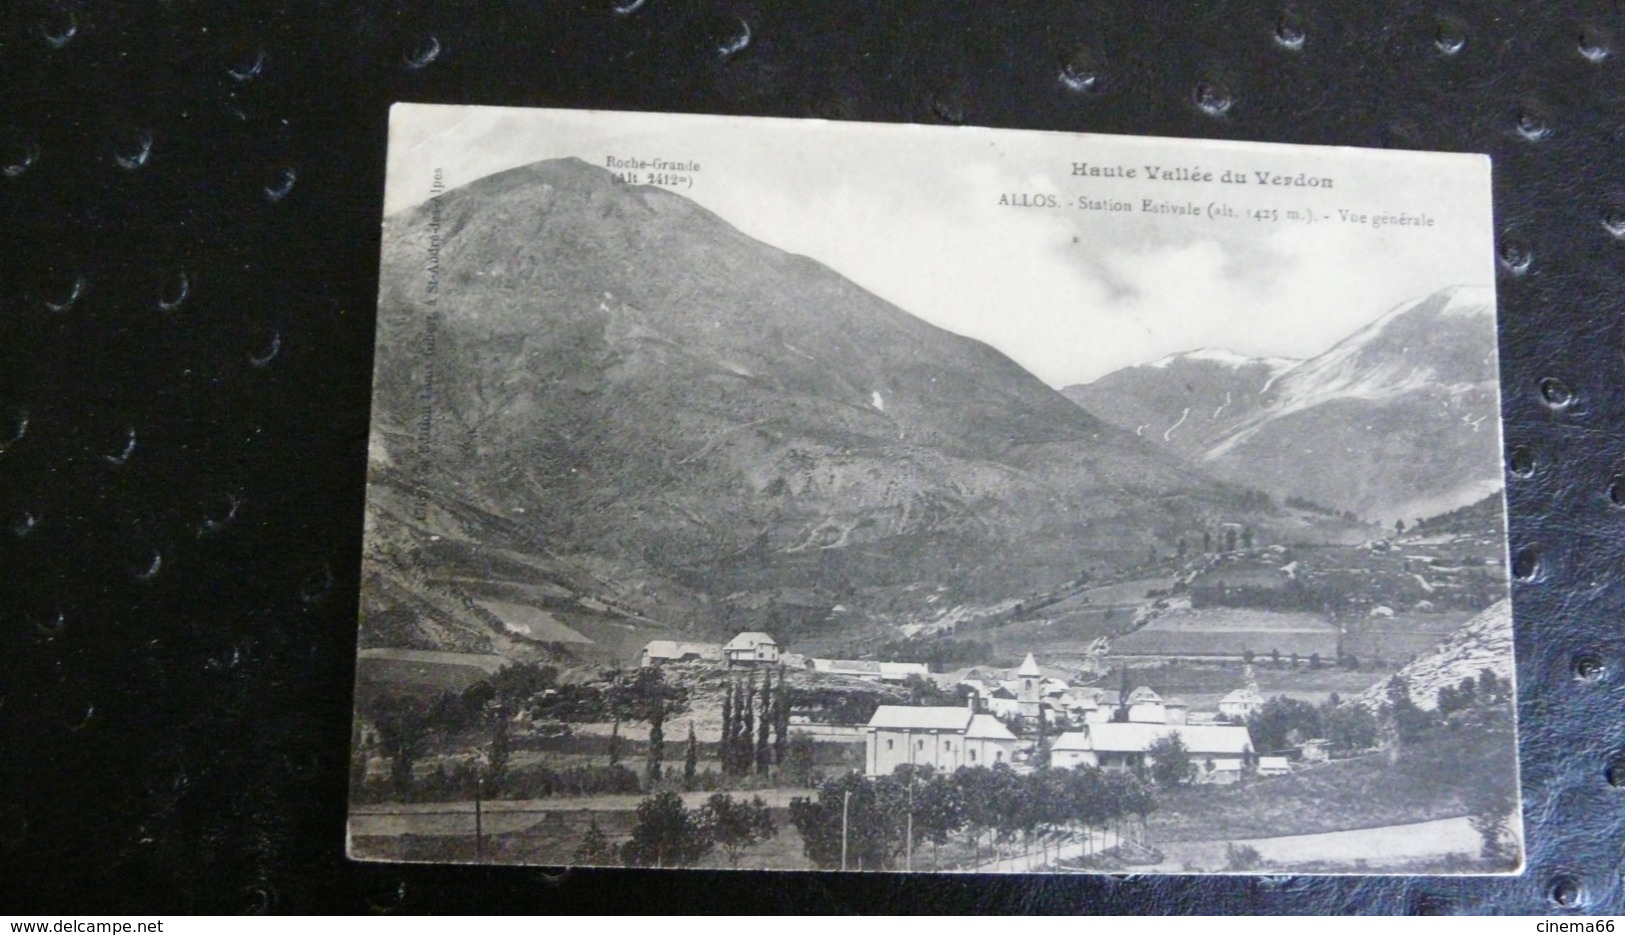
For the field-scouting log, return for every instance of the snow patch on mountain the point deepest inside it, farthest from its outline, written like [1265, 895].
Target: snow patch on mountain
[1351, 371]
[1211, 354]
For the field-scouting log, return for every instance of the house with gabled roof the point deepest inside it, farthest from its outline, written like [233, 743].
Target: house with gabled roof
[751, 648]
[1218, 752]
[658, 652]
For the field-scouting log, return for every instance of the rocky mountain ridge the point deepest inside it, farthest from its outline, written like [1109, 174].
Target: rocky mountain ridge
[1484, 642]
[1397, 421]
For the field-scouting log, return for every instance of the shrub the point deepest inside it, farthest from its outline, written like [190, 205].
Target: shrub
[1242, 858]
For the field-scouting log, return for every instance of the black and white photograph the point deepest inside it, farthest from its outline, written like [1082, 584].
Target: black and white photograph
[803, 495]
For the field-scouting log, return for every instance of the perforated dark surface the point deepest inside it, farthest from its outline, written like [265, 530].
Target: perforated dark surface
[189, 206]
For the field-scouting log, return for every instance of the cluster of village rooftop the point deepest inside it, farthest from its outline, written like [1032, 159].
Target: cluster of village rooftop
[758, 649]
[948, 737]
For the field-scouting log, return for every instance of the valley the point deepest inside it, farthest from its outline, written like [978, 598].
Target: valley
[647, 436]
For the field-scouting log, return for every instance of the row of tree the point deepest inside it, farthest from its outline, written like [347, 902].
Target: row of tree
[669, 834]
[876, 823]
[481, 717]
[755, 726]
[1284, 722]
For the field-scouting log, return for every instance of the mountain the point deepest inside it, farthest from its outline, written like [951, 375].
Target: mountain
[1398, 420]
[1187, 401]
[658, 413]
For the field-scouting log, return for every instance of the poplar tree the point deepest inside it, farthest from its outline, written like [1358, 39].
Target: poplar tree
[725, 747]
[657, 738]
[691, 759]
[747, 736]
[765, 725]
[781, 722]
[736, 746]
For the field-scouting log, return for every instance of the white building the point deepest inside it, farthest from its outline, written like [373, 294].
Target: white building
[1241, 704]
[1244, 702]
[1145, 707]
[1273, 766]
[940, 737]
[751, 648]
[903, 671]
[663, 651]
[872, 671]
[1029, 688]
[1218, 751]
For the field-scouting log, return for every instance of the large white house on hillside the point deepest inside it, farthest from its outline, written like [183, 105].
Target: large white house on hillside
[940, 737]
[751, 648]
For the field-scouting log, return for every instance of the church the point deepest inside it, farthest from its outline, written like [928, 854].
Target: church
[943, 738]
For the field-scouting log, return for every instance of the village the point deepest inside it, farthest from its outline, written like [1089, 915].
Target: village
[1240, 710]
[1018, 718]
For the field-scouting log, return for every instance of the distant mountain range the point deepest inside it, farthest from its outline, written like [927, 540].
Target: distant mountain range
[1399, 420]
[625, 385]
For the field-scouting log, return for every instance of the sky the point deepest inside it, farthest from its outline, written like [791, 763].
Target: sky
[912, 214]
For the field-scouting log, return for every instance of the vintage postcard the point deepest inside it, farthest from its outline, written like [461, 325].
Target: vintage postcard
[806, 495]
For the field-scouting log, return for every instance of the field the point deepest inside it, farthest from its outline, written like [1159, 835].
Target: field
[422, 672]
[1203, 682]
[1227, 631]
[1402, 637]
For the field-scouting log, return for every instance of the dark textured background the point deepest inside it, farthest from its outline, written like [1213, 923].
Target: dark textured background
[176, 741]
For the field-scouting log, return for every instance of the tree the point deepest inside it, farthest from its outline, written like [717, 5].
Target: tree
[517, 685]
[781, 720]
[1242, 858]
[1294, 661]
[1120, 716]
[1283, 721]
[645, 696]
[1182, 548]
[1229, 540]
[764, 727]
[725, 746]
[666, 834]
[798, 759]
[939, 811]
[1207, 541]
[1171, 760]
[1248, 655]
[1314, 662]
[1041, 748]
[738, 826]
[1491, 806]
[876, 816]
[615, 743]
[595, 850]
[1351, 727]
[1399, 527]
[747, 733]
[1247, 538]
[1410, 721]
[1275, 658]
[403, 733]
[657, 741]
[501, 744]
[691, 759]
